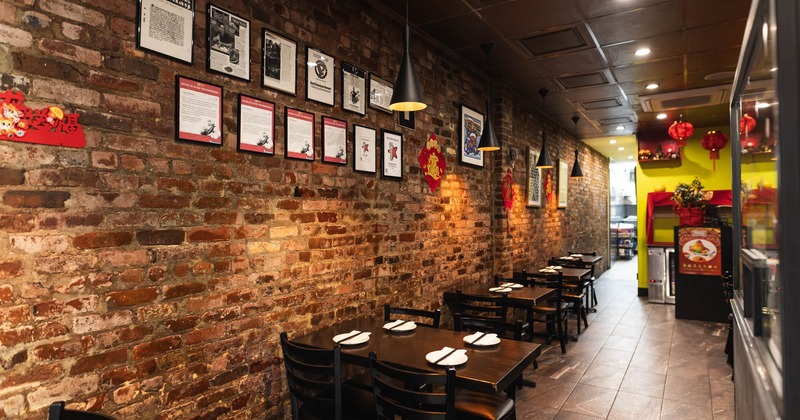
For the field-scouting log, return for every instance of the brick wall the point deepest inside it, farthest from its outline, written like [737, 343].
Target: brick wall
[147, 278]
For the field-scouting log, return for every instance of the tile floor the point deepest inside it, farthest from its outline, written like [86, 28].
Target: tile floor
[635, 361]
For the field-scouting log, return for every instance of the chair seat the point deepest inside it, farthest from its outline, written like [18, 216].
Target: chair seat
[573, 296]
[476, 405]
[357, 404]
[547, 308]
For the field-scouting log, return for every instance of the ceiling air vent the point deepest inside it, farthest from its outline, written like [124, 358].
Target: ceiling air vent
[582, 80]
[556, 41]
[602, 103]
[615, 120]
[714, 95]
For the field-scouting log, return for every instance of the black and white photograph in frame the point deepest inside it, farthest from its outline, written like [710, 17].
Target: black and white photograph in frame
[334, 141]
[392, 159]
[563, 179]
[380, 93]
[279, 63]
[198, 111]
[354, 87]
[228, 44]
[165, 27]
[319, 76]
[256, 125]
[469, 134]
[534, 193]
[364, 143]
[299, 134]
[406, 119]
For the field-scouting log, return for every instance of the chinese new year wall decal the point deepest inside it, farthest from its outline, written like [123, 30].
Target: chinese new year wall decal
[713, 142]
[432, 162]
[508, 197]
[549, 188]
[49, 126]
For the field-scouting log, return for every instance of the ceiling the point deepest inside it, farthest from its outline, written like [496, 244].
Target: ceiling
[610, 146]
[583, 52]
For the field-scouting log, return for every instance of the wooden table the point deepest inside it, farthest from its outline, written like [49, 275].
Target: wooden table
[523, 297]
[586, 261]
[488, 369]
[574, 274]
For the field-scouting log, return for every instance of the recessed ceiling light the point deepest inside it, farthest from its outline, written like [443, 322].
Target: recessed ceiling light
[661, 116]
[652, 86]
[620, 128]
[760, 105]
[642, 52]
[612, 141]
[773, 69]
[630, 157]
[620, 148]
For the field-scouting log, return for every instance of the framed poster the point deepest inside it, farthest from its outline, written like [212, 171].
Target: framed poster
[534, 193]
[299, 134]
[469, 132]
[364, 141]
[198, 111]
[256, 125]
[406, 119]
[563, 177]
[700, 251]
[228, 43]
[279, 63]
[334, 141]
[165, 27]
[319, 76]
[392, 160]
[354, 84]
[380, 93]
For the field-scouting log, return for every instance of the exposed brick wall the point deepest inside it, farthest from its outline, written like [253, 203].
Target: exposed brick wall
[147, 278]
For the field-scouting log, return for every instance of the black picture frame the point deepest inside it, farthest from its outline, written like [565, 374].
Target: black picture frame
[298, 143]
[365, 150]
[354, 89]
[392, 155]
[407, 119]
[255, 120]
[380, 93]
[470, 127]
[286, 64]
[183, 51]
[206, 98]
[334, 141]
[227, 48]
[320, 76]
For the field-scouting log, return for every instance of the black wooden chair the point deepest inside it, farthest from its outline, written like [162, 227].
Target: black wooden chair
[432, 316]
[58, 412]
[478, 306]
[575, 293]
[315, 384]
[592, 295]
[431, 396]
[552, 312]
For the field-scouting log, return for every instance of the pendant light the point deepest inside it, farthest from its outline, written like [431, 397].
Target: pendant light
[407, 95]
[488, 141]
[576, 169]
[544, 161]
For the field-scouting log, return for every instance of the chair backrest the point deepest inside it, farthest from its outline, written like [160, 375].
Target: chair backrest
[593, 253]
[58, 412]
[552, 280]
[478, 306]
[535, 279]
[314, 376]
[432, 316]
[514, 331]
[412, 394]
[565, 263]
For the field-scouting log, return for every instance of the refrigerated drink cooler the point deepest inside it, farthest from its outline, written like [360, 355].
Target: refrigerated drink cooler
[661, 275]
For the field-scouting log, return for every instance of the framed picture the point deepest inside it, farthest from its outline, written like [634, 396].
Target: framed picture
[354, 84]
[256, 125]
[334, 141]
[198, 111]
[228, 43]
[534, 193]
[563, 176]
[364, 142]
[299, 133]
[380, 93]
[319, 76]
[406, 119]
[469, 132]
[279, 63]
[392, 160]
[166, 27]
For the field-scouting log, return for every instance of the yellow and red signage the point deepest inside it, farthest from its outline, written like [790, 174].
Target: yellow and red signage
[41, 126]
[700, 251]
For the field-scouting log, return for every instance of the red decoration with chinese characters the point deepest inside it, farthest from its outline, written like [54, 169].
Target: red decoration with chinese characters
[508, 196]
[41, 126]
[746, 124]
[681, 130]
[713, 142]
[549, 189]
[700, 249]
[432, 162]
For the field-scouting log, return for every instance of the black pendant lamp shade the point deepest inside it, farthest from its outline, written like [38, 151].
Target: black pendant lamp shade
[488, 141]
[576, 169]
[544, 161]
[407, 94]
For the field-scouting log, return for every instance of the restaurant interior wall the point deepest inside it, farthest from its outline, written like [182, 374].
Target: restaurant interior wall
[144, 277]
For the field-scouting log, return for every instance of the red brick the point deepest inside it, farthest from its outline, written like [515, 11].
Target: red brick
[132, 66]
[156, 274]
[172, 292]
[15, 37]
[57, 308]
[91, 323]
[227, 156]
[78, 54]
[76, 220]
[34, 199]
[335, 230]
[62, 177]
[131, 163]
[104, 160]
[96, 362]
[91, 36]
[132, 297]
[6, 293]
[41, 373]
[123, 27]
[157, 347]
[119, 337]
[10, 269]
[107, 81]
[327, 217]
[63, 349]
[212, 202]
[124, 258]
[102, 240]
[132, 276]
[216, 396]
[91, 118]
[12, 176]
[202, 335]
[181, 324]
[209, 235]
[15, 314]
[130, 143]
[163, 201]
[180, 185]
[16, 223]
[221, 217]
[194, 388]
[161, 237]
[72, 11]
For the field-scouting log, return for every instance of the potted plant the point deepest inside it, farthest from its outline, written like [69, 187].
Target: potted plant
[690, 202]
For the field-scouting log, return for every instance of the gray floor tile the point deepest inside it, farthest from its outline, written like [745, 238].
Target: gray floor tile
[643, 383]
[568, 415]
[549, 393]
[590, 401]
[675, 410]
[635, 407]
[612, 357]
[696, 391]
[603, 376]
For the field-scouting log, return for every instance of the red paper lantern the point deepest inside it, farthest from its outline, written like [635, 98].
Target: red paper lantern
[681, 130]
[713, 142]
[746, 124]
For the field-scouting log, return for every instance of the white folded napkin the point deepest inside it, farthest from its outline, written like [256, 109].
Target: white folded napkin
[576, 255]
[511, 285]
[447, 359]
[398, 323]
[500, 289]
[486, 338]
[351, 335]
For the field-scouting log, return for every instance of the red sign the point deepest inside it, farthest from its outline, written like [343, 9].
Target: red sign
[700, 250]
[432, 161]
[49, 126]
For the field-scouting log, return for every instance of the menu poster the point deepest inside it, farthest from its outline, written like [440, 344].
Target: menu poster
[279, 63]
[380, 93]
[228, 45]
[299, 128]
[364, 144]
[198, 111]
[700, 249]
[319, 76]
[165, 27]
[392, 149]
[256, 125]
[354, 86]
[334, 141]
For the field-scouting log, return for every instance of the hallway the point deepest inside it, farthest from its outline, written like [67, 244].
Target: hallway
[635, 361]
